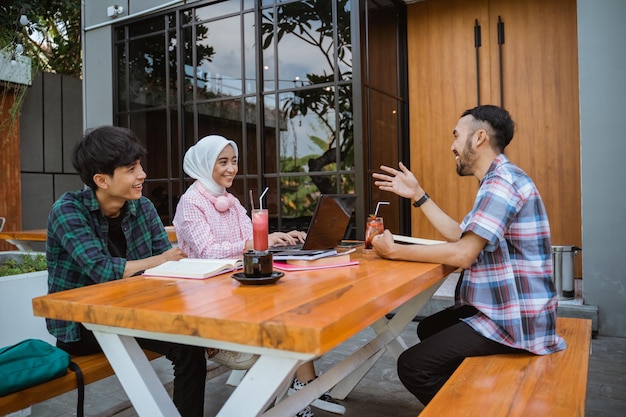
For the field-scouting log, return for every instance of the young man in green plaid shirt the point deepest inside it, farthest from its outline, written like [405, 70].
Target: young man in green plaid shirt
[110, 231]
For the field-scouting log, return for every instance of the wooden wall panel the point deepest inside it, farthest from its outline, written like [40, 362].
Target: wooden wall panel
[540, 90]
[10, 189]
[540, 68]
[442, 84]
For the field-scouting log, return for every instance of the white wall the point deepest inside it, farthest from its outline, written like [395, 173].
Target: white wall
[602, 66]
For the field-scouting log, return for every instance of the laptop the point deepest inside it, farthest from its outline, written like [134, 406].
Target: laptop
[328, 225]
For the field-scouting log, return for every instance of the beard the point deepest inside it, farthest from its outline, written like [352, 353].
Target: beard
[465, 164]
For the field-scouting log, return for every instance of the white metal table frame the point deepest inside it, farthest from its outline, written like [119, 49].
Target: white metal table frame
[267, 380]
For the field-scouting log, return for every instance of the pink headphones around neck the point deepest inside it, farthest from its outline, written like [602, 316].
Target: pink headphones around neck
[221, 203]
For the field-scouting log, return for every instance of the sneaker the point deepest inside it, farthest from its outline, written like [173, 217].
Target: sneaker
[325, 402]
[234, 360]
[305, 412]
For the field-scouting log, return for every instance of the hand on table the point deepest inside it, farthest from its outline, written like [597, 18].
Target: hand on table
[383, 244]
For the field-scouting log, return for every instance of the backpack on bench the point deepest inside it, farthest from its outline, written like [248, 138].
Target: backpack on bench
[32, 362]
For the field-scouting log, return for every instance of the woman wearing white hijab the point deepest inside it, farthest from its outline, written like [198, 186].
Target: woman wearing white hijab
[210, 222]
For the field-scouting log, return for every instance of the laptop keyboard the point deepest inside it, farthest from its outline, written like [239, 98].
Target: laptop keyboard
[297, 246]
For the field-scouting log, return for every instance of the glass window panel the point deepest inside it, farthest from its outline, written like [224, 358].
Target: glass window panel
[271, 202]
[173, 67]
[299, 196]
[306, 48]
[175, 155]
[271, 118]
[269, 54]
[306, 146]
[218, 72]
[241, 189]
[248, 155]
[120, 33]
[189, 127]
[158, 193]
[217, 9]
[175, 192]
[238, 188]
[249, 53]
[147, 61]
[248, 4]
[222, 117]
[344, 41]
[147, 26]
[188, 64]
[308, 130]
[122, 78]
[151, 128]
[346, 128]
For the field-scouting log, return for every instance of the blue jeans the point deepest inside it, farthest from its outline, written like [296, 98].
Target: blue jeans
[445, 341]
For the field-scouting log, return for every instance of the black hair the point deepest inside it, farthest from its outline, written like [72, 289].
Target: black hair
[101, 150]
[500, 121]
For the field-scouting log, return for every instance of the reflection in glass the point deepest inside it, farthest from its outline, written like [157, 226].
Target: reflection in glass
[219, 74]
[249, 53]
[151, 129]
[122, 77]
[216, 9]
[288, 106]
[147, 72]
[306, 48]
[196, 80]
[306, 45]
[172, 81]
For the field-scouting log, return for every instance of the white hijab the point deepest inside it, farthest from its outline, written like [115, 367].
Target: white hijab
[200, 160]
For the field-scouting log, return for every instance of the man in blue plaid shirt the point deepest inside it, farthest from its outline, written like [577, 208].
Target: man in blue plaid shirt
[505, 301]
[109, 231]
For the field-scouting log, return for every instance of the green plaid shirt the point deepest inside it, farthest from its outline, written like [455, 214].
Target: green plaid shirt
[77, 247]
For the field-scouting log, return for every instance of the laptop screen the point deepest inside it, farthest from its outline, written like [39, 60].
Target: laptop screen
[329, 222]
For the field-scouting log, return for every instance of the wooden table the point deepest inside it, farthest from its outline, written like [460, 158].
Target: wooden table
[304, 315]
[23, 238]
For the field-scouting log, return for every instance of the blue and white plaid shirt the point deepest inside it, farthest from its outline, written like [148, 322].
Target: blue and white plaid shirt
[510, 283]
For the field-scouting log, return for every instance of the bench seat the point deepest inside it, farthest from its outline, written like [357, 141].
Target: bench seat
[520, 385]
[94, 367]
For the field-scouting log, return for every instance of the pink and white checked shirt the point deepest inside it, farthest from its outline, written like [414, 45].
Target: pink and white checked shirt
[204, 232]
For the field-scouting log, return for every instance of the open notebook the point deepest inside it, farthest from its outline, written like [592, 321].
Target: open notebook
[194, 268]
[328, 226]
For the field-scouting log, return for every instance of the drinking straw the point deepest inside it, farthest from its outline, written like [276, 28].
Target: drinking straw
[261, 198]
[378, 206]
[251, 200]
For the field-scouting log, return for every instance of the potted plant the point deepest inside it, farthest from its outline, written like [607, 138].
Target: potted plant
[23, 276]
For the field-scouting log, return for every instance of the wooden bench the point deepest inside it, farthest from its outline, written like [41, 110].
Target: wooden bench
[521, 385]
[94, 367]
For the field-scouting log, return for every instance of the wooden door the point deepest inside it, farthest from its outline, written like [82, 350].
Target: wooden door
[540, 89]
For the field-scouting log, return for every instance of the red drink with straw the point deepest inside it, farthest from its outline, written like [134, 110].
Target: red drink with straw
[374, 226]
[260, 229]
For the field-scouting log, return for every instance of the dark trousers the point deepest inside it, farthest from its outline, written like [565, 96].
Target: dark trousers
[444, 342]
[189, 368]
